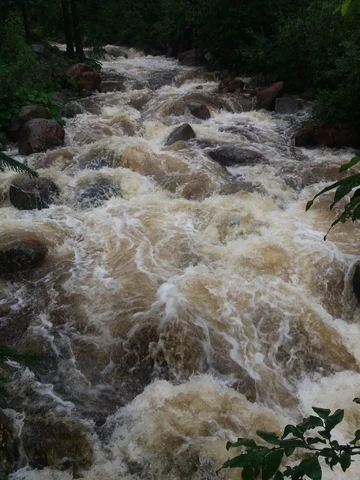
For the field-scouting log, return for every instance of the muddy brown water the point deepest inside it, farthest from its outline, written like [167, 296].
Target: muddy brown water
[198, 305]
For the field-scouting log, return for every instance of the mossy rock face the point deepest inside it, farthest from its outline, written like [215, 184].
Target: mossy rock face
[9, 453]
[59, 442]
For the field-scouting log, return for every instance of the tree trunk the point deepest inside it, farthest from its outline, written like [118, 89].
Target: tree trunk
[25, 19]
[67, 28]
[77, 29]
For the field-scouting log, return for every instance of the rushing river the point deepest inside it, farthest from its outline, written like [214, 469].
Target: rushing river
[195, 305]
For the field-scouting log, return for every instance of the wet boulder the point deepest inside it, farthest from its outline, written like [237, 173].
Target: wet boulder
[327, 136]
[267, 95]
[39, 134]
[287, 105]
[72, 109]
[356, 281]
[85, 76]
[26, 113]
[59, 442]
[199, 110]
[21, 256]
[9, 448]
[191, 58]
[304, 136]
[28, 193]
[182, 133]
[230, 85]
[96, 192]
[230, 155]
[337, 136]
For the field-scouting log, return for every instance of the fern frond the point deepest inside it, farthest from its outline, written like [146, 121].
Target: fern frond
[12, 164]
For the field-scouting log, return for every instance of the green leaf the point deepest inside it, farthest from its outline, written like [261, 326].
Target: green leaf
[310, 423]
[248, 473]
[246, 442]
[237, 462]
[313, 440]
[357, 435]
[356, 400]
[334, 419]
[312, 468]
[322, 412]
[279, 476]
[345, 460]
[293, 430]
[354, 161]
[345, 7]
[272, 463]
[325, 434]
[327, 452]
[269, 437]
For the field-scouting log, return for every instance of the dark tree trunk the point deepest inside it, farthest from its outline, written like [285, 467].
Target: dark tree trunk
[67, 28]
[24, 11]
[77, 29]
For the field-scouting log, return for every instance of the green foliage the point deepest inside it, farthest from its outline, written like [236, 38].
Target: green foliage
[12, 164]
[93, 63]
[313, 435]
[345, 186]
[23, 80]
[28, 359]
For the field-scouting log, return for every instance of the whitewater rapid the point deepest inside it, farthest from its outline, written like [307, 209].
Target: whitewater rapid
[197, 305]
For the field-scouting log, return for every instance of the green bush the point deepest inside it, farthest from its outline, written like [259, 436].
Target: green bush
[313, 436]
[23, 80]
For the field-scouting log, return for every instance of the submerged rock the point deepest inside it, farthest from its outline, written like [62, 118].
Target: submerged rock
[287, 105]
[21, 256]
[199, 110]
[97, 192]
[72, 109]
[39, 134]
[9, 450]
[182, 133]
[230, 155]
[28, 193]
[60, 442]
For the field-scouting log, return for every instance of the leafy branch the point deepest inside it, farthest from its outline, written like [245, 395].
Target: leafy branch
[344, 187]
[258, 459]
[12, 164]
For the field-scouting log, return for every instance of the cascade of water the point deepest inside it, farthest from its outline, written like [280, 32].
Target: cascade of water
[197, 304]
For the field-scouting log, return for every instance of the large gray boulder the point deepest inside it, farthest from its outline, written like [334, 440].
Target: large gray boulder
[28, 193]
[182, 133]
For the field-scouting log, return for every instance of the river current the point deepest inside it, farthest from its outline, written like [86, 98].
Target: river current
[198, 303]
